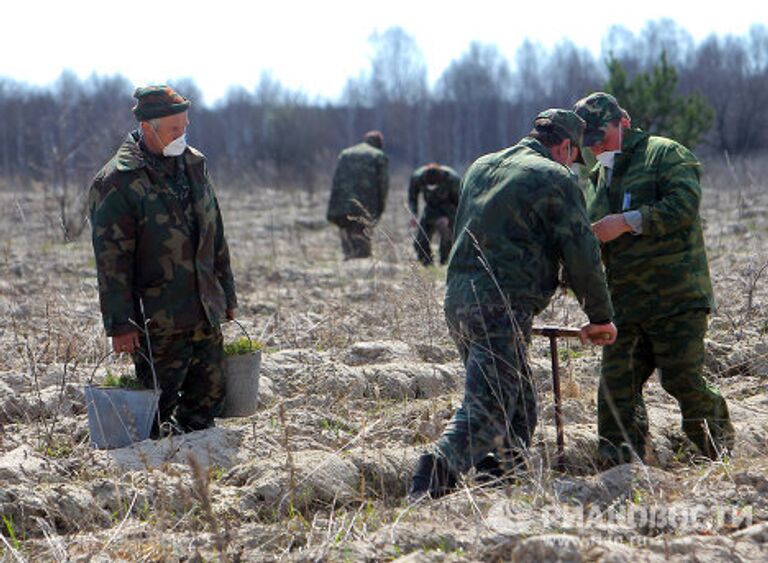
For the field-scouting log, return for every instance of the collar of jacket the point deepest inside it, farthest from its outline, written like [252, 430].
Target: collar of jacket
[536, 145]
[632, 138]
[130, 157]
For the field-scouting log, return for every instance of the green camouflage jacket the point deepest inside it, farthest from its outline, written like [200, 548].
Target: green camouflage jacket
[443, 196]
[664, 270]
[144, 245]
[360, 183]
[520, 217]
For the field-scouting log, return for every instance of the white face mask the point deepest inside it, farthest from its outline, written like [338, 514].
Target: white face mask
[176, 147]
[606, 158]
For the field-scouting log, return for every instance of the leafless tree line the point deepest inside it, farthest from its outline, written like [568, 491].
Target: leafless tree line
[60, 135]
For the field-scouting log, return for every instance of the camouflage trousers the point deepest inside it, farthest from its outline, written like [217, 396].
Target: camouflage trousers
[189, 368]
[433, 221]
[674, 346]
[498, 412]
[355, 233]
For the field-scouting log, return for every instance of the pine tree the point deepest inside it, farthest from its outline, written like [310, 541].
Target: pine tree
[652, 102]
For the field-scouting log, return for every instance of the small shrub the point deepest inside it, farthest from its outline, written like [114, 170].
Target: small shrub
[241, 346]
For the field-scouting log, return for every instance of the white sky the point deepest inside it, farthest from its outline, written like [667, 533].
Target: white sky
[312, 45]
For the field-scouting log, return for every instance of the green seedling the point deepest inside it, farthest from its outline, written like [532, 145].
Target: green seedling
[241, 346]
[121, 381]
[9, 527]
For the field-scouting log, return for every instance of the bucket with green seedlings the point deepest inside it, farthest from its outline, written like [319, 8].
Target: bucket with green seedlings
[242, 362]
[120, 411]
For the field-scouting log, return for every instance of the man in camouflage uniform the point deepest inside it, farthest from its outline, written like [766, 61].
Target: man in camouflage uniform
[161, 257]
[520, 216]
[643, 198]
[440, 187]
[359, 193]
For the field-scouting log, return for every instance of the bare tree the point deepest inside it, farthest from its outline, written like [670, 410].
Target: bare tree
[530, 80]
[75, 138]
[573, 73]
[735, 83]
[477, 86]
[398, 69]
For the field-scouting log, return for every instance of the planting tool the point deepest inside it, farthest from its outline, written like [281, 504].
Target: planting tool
[552, 332]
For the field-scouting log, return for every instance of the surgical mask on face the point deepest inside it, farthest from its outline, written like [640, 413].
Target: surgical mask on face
[176, 147]
[606, 158]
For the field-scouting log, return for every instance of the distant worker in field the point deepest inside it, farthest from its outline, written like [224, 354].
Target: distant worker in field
[161, 254]
[359, 193]
[643, 198]
[439, 185]
[520, 216]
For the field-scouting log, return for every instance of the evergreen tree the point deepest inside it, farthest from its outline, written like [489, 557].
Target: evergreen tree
[652, 102]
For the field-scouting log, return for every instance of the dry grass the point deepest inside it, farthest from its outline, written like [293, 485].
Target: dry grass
[311, 311]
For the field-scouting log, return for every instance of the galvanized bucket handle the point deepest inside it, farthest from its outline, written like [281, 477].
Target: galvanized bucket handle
[98, 365]
[245, 332]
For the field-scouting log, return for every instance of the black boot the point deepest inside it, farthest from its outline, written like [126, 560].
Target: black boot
[488, 469]
[491, 470]
[431, 478]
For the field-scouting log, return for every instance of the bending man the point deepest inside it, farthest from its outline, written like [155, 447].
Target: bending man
[521, 215]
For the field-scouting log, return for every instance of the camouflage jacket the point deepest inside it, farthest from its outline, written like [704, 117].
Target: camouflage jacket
[360, 183]
[520, 217]
[443, 196]
[144, 245]
[664, 270]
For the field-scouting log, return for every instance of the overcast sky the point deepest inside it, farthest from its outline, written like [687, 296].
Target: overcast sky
[308, 45]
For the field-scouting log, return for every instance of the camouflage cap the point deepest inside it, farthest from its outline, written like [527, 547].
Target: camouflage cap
[564, 121]
[598, 110]
[158, 101]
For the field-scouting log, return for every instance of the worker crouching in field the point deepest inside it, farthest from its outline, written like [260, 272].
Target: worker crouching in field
[520, 216]
[439, 186]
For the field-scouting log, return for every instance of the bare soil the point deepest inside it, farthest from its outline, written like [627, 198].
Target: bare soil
[358, 377]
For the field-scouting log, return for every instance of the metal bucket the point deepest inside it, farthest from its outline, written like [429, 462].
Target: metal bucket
[242, 377]
[119, 417]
